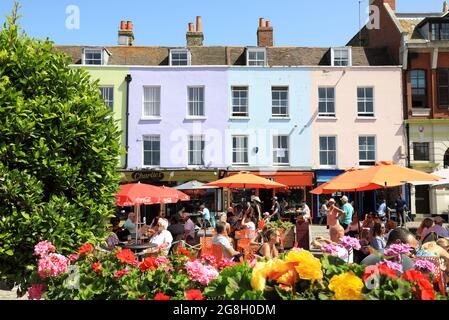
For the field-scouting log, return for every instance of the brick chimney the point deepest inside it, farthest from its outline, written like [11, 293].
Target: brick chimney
[126, 33]
[195, 38]
[264, 34]
[445, 7]
[379, 3]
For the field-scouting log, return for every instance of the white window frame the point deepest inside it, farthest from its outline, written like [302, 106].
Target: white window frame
[365, 101]
[151, 117]
[280, 164]
[186, 51]
[233, 115]
[189, 116]
[202, 139]
[256, 50]
[102, 61]
[280, 89]
[327, 114]
[366, 151]
[107, 102]
[327, 151]
[145, 138]
[333, 56]
[241, 150]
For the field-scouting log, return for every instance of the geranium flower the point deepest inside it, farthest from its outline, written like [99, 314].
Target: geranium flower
[329, 248]
[208, 259]
[43, 248]
[391, 265]
[421, 285]
[73, 257]
[307, 266]
[86, 249]
[96, 267]
[425, 266]
[36, 291]
[126, 256]
[161, 296]
[52, 265]
[225, 263]
[396, 251]
[201, 273]
[148, 264]
[346, 286]
[183, 251]
[349, 242]
[194, 295]
[161, 260]
[121, 273]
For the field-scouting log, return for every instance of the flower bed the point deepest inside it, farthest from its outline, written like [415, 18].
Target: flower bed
[95, 275]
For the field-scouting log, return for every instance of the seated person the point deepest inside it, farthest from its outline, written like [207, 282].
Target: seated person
[268, 249]
[248, 222]
[397, 236]
[122, 234]
[162, 238]
[176, 227]
[189, 228]
[162, 215]
[130, 223]
[222, 239]
[337, 233]
[378, 241]
[112, 240]
[438, 229]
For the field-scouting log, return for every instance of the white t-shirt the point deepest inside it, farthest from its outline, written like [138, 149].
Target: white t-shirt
[225, 244]
[323, 210]
[162, 237]
[345, 255]
[250, 226]
[306, 212]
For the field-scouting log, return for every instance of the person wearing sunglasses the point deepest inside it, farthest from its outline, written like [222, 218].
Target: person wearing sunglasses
[397, 236]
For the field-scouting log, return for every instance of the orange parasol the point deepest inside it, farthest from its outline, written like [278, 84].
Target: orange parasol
[246, 180]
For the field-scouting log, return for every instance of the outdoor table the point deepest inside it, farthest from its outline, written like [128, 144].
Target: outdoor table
[138, 247]
[208, 233]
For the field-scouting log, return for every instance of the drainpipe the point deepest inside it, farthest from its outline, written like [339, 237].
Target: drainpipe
[128, 80]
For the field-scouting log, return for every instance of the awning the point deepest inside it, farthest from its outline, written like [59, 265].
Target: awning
[290, 179]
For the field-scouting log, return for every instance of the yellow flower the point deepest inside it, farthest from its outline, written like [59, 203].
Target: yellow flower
[288, 278]
[346, 286]
[259, 276]
[278, 268]
[307, 266]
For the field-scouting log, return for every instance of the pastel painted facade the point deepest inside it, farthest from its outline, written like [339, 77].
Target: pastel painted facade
[260, 126]
[174, 125]
[347, 125]
[114, 76]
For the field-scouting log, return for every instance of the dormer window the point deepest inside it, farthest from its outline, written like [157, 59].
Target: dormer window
[180, 57]
[439, 31]
[256, 57]
[94, 56]
[341, 57]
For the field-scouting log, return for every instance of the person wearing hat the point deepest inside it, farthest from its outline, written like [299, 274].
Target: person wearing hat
[333, 214]
[437, 228]
[256, 206]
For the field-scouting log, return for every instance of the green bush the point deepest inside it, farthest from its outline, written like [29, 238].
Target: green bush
[59, 149]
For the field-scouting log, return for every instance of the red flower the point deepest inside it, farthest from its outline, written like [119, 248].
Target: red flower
[86, 249]
[412, 275]
[427, 295]
[126, 256]
[421, 284]
[194, 295]
[161, 296]
[96, 267]
[148, 264]
[183, 251]
[141, 299]
[383, 269]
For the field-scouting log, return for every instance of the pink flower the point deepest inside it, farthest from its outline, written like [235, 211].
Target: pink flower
[168, 268]
[253, 262]
[162, 260]
[208, 259]
[121, 273]
[43, 248]
[425, 266]
[73, 257]
[396, 251]
[349, 242]
[225, 263]
[392, 265]
[36, 291]
[201, 273]
[52, 265]
[329, 248]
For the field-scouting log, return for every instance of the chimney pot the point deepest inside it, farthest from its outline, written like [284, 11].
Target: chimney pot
[264, 34]
[130, 25]
[198, 24]
[268, 25]
[123, 25]
[191, 27]
[261, 22]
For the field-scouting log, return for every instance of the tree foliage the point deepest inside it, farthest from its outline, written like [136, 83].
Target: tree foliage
[59, 150]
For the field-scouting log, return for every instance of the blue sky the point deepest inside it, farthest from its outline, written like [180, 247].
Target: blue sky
[232, 22]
